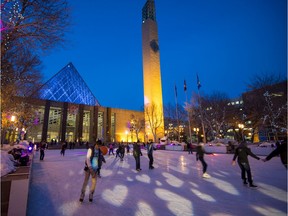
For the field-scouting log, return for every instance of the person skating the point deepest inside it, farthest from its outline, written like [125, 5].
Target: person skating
[150, 149]
[42, 150]
[91, 166]
[281, 150]
[63, 148]
[137, 153]
[200, 151]
[241, 153]
[189, 148]
[101, 159]
[111, 149]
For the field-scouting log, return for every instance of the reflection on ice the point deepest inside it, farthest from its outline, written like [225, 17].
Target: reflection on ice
[273, 192]
[68, 208]
[143, 178]
[173, 180]
[266, 210]
[175, 203]
[158, 183]
[224, 186]
[203, 196]
[116, 196]
[144, 209]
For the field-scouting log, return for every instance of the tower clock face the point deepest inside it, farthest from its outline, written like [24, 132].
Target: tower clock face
[154, 45]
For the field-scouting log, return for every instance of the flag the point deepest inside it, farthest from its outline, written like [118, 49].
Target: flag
[198, 83]
[185, 87]
[175, 91]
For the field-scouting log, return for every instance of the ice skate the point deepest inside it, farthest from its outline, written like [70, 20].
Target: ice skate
[91, 197]
[252, 185]
[206, 175]
[81, 197]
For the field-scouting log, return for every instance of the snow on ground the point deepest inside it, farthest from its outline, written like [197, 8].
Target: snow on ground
[174, 187]
[8, 164]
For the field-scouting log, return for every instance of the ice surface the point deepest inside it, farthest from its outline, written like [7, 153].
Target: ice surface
[174, 187]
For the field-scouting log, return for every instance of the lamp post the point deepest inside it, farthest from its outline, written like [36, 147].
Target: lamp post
[13, 120]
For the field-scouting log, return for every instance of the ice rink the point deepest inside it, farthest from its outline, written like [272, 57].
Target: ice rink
[174, 187]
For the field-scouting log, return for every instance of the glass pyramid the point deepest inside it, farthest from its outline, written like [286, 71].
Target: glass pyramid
[68, 86]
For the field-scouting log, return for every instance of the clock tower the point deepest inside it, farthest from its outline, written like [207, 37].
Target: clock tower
[153, 101]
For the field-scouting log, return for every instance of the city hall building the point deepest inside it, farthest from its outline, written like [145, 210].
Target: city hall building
[66, 110]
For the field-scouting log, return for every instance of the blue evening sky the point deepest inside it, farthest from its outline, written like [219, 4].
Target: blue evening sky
[225, 41]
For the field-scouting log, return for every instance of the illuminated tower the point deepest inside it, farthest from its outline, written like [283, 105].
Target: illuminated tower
[151, 68]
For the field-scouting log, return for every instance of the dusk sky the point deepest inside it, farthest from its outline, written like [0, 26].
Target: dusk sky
[225, 41]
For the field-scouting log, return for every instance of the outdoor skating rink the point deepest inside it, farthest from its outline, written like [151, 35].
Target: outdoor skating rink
[174, 187]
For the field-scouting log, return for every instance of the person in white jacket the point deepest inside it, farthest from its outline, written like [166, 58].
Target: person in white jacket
[91, 166]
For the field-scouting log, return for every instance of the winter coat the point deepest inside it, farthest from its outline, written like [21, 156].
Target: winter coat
[280, 150]
[136, 150]
[242, 152]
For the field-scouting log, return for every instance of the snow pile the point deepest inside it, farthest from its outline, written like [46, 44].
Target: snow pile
[7, 163]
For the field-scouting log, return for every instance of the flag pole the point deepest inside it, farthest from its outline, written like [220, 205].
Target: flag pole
[189, 124]
[201, 113]
[177, 115]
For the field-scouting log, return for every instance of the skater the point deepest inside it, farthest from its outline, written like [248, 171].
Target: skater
[137, 153]
[101, 159]
[42, 150]
[63, 148]
[150, 149]
[111, 149]
[281, 150]
[242, 152]
[91, 166]
[121, 151]
[200, 151]
[128, 148]
[189, 148]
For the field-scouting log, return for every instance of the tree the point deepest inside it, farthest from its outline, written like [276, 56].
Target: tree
[264, 106]
[274, 117]
[262, 80]
[136, 125]
[28, 27]
[172, 123]
[154, 119]
[214, 108]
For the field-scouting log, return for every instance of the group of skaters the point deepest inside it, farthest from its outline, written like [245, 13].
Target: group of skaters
[94, 159]
[241, 154]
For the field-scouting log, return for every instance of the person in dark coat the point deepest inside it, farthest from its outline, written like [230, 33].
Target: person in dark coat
[42, 150]
[150, 149]
[242, 152]
[63, 148]
[200, 151]
[101, 159]
[281, 150]
[137, 153]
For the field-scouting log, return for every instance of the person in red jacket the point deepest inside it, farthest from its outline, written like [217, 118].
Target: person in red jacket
[242, 152]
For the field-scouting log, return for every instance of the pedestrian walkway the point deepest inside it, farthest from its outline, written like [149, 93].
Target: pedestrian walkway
[174, 187]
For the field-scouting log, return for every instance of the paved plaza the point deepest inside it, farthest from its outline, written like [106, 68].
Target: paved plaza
[174, 187]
